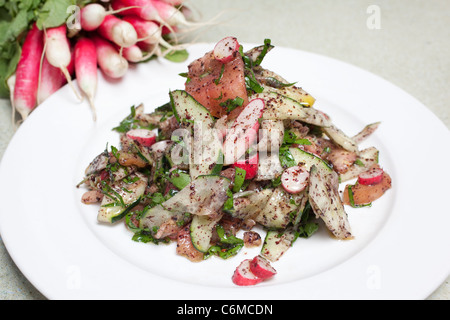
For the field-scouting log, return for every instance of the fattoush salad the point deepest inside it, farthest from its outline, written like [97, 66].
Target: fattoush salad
[238, 158]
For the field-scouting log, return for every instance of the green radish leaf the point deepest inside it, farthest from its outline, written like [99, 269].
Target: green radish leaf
[177, 56]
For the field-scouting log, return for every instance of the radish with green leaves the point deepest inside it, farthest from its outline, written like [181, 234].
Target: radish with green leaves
[109, 60]
[86, 69]
[118, 31]
[27, 73]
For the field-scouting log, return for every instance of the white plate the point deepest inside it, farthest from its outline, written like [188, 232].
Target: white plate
[401, 245]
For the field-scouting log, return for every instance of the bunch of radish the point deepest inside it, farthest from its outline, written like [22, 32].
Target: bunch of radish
[113, 34]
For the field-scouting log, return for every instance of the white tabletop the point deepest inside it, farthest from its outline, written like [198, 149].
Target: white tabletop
[403, 41]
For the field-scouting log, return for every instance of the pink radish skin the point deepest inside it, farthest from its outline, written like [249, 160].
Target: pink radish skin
[109, 60]
[262, 268]
[226, 49]
[371, 177]
[243, 276]
[169, 14]
[173, 2]
[86, 69]
[294, 179]
[133, 53]
[144, 10]
[58, 52]
[118, 31]
[93, 14]
[52, 79]
[144, 136]
[243, 132]
[250, 166]
[147, 31]
[27, 73]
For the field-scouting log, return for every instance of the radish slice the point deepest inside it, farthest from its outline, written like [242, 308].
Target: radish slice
[371, 176]
[143, 136]
[262, 268]
[226, 49]
[294, 179]
[242, 276]
[243, 132]
[250, 166]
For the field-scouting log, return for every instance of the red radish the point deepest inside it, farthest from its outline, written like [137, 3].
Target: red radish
[58, 52]
[118, 31]
[243, 132]
[143, 9]
[372, 176]
[243, 276]
[147, 31]
[86, 69]
[149, 49]
[51, 80]
[173, 2]
[294, 179]
[109, 60]
[144, 136]
[27, 73]
[250, 166]
[93, 14]
[226, 49]
[262, 268]
[170, 14]
[133, 53]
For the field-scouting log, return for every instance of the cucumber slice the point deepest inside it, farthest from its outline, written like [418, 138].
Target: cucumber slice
[112, 209]
[187, 109]
[366, 158]
[206, 146]
[203, 196]
[277, 243]
[154, 217]
[307, 160]
[277, 212]
[247, 207]
[207, 153]
[341, 139]
[280, 107]
[201, 230]
[326, 202]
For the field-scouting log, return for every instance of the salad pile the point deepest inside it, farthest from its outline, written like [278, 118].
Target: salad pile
[239, 152]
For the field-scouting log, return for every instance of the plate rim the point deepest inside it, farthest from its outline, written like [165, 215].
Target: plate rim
[10, 147]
